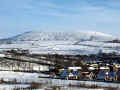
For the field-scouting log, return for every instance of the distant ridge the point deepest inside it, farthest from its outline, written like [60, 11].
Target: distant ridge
[60, 36]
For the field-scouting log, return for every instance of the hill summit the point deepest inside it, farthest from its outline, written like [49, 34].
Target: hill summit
[61, 36]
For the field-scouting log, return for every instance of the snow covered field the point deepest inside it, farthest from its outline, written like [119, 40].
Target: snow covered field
[12, 87]
[21, 76]
[64, 47]
[62, 42]
[34, 77]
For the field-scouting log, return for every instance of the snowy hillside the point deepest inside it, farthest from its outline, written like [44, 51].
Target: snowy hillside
[61, 36]
[62, 42]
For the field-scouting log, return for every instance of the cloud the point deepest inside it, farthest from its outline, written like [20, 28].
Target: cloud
[53, 9]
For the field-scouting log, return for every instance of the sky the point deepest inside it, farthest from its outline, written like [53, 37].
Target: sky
[18, 16]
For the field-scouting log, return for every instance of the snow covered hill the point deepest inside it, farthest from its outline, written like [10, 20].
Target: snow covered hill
[61, 36]
[62, 42]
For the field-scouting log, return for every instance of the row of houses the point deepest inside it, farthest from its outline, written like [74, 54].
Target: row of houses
[94, 72]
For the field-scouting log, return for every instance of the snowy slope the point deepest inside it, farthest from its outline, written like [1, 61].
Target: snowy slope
[61, 36]
[62, 42]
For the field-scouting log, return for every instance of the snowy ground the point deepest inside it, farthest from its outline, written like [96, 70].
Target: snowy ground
[47, 82]
[64, 47]
[20, 76]
[10, 87]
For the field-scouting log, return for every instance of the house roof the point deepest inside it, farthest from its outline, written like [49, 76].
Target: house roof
[75, 68]
[91, 68]
[104, 68]
[117, 65]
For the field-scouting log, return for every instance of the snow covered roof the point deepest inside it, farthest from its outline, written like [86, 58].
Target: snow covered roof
[117, 66]
[103, 68]
[91, 68]
[74, 68]
[94, 65]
